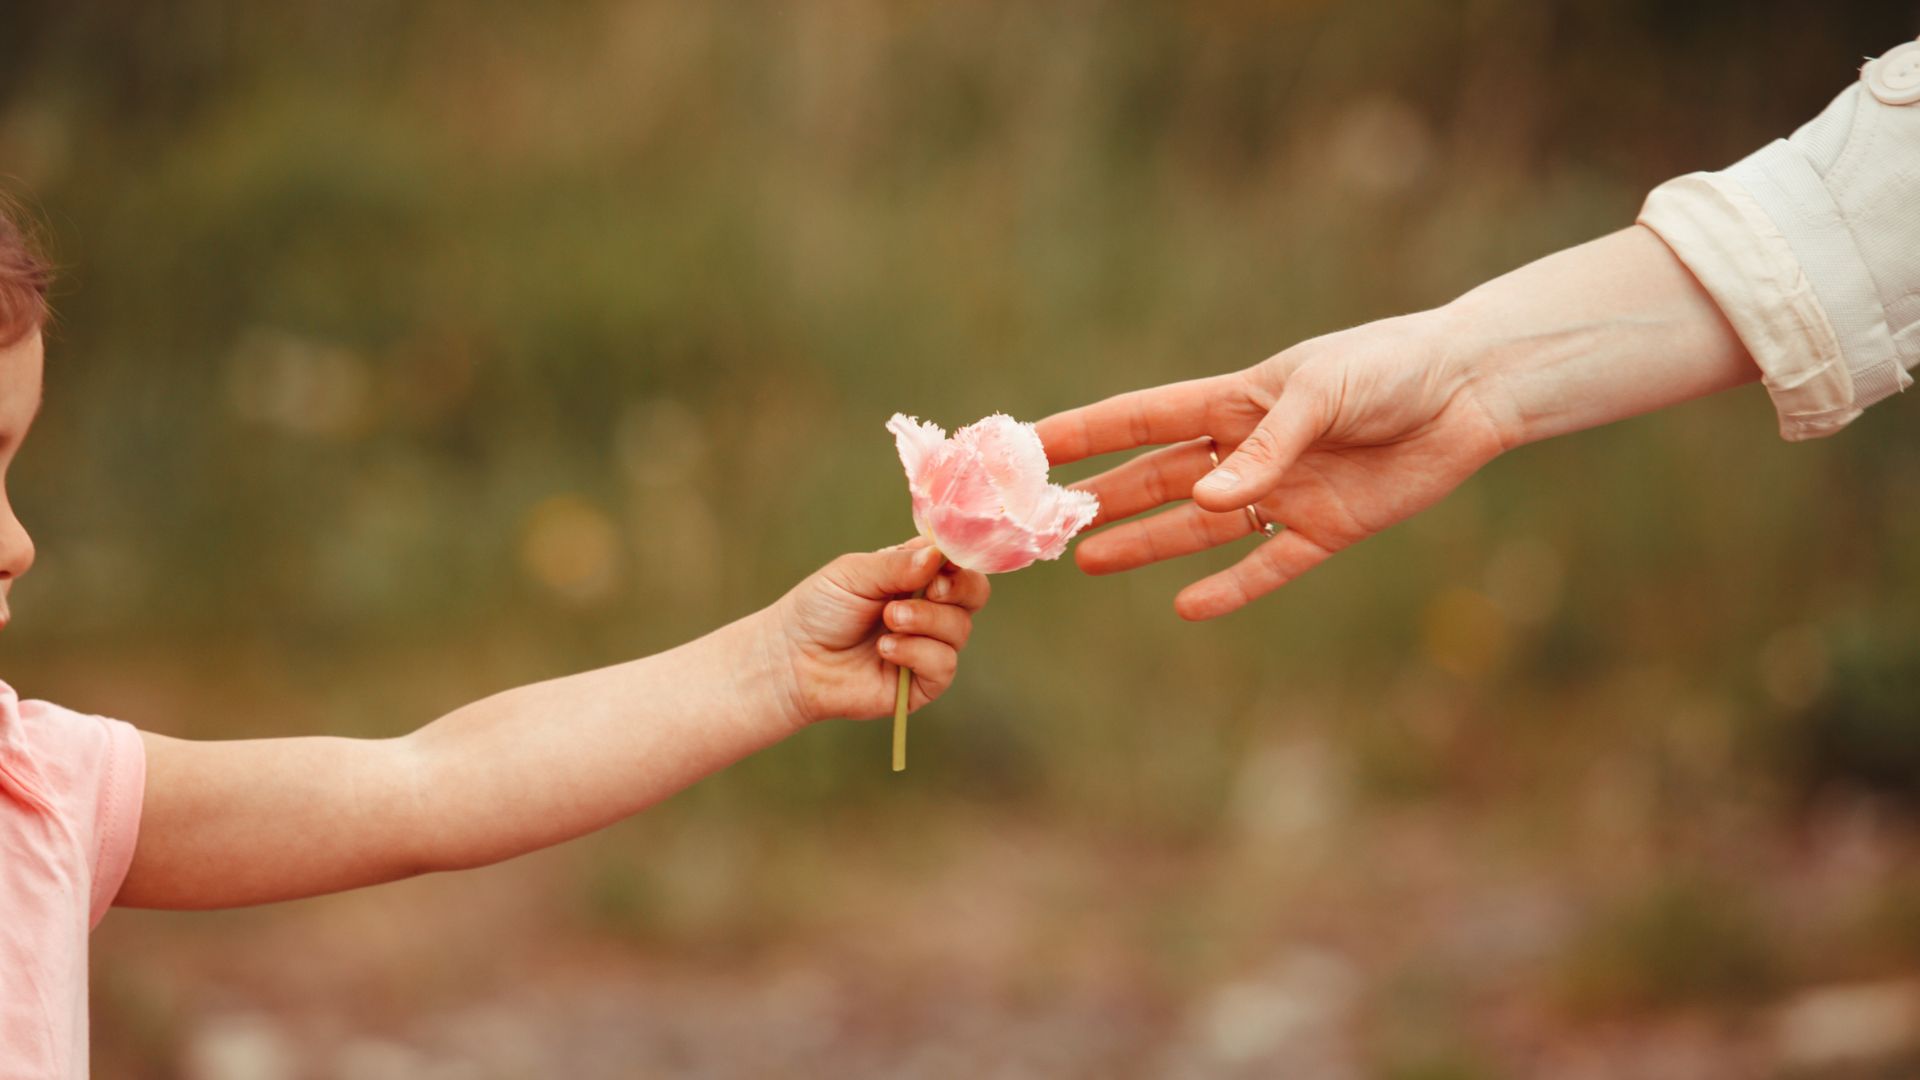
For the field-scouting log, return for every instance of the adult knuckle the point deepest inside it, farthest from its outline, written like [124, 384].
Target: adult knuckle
[1247, 587]
[1199, 529]
[1157, 486]
[1283, 560]
[1148, 541]
[1260, 445]
[1257, 387]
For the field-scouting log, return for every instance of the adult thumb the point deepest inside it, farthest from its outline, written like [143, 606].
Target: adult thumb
[1255, 467]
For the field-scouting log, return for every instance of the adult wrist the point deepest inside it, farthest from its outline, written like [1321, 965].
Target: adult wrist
[1485, 367]
[1613, 328]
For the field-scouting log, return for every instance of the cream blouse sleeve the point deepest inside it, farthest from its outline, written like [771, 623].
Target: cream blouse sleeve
[1811, 247]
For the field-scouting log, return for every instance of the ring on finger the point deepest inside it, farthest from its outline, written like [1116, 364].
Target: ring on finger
[1260, 525]
[1268, 529]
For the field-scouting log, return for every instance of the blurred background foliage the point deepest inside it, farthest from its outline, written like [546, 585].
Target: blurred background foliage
[407, 353]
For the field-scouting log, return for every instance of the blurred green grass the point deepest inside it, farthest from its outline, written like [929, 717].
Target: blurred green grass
[406, 355]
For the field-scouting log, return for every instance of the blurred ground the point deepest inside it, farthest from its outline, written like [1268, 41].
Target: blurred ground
[407, 355]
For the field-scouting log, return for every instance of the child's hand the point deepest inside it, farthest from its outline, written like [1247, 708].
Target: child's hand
[849, 625]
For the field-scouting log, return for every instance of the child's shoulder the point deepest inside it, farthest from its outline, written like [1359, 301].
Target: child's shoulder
[72, 785]
[48, 751]
[20, 714]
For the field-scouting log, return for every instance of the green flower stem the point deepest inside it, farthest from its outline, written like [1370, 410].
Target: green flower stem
[900, 720]
[903, 689]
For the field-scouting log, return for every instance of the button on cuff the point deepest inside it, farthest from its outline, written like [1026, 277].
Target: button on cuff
[1895, 77]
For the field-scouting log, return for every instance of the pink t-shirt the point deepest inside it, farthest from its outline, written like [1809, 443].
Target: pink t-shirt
[70, 791]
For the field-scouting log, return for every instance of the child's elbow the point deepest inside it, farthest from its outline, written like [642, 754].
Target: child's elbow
[420, 836]
[438, 820]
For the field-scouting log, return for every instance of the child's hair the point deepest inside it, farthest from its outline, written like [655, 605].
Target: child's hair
[24, 277]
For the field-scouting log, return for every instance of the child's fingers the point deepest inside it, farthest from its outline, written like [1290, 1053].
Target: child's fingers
[933, 662]
[944, 622]
[880, 574]
[967, 588]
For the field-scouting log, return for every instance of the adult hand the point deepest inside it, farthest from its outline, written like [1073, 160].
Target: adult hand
[1333, 440]
[1341, 436]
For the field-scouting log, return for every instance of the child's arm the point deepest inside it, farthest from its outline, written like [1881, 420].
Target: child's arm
[232, 823]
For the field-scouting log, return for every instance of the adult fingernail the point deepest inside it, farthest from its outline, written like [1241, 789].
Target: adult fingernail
[937, 590]
[1220, 479]
[888, 646]
[903, 615]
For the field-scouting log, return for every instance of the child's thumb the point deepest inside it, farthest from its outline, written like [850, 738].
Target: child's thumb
[881, 574]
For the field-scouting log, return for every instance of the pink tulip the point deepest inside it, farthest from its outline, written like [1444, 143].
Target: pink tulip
[982, 496]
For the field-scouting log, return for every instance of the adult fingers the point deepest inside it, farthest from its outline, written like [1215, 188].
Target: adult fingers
[1265, 569]
[1161, 414]
[1254, 468]
[966, 588]
[1182, 530]
[880, 574]
[942, 622]
[1149, 480]
[933, 662]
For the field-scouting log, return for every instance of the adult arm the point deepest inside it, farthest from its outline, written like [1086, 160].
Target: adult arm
[1799, 265]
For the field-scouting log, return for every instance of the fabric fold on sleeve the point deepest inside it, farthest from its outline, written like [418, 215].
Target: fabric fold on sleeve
[122, 793]
[1747, 266]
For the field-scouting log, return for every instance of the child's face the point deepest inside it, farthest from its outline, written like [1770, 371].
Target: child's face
[20, 365]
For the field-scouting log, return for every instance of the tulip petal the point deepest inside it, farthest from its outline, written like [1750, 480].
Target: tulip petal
[1014, 458]
[982, 496]
[916, 441]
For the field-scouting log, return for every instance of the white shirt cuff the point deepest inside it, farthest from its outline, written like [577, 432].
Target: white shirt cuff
[1811, 247]
[1738, 253]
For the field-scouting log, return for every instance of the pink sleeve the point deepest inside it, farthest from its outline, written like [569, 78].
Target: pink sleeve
[92, 772]
[121, 794]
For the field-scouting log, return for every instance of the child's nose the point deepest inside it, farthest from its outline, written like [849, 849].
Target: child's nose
[16, 547]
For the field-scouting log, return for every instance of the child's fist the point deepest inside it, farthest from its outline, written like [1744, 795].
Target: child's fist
[851, 625]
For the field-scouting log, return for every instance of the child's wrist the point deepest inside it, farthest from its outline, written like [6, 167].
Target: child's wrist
[770, 678]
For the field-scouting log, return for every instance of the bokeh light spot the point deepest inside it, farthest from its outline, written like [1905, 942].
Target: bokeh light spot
[1465, 633]
[571, 547]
